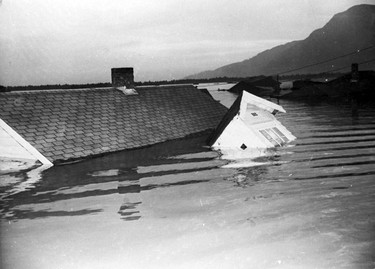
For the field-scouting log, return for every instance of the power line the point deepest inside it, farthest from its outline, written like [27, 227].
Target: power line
[338, 69]
[329, 60]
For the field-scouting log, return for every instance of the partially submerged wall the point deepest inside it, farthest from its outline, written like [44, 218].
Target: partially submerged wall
[14, 147]
[11, 149]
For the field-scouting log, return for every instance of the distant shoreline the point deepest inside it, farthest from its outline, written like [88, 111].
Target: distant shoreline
[162, 82]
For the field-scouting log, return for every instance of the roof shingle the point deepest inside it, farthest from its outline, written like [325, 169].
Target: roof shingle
[66, 124]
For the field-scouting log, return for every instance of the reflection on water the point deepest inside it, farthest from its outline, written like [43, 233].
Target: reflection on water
[31, 214]
[123, 173]
[128, 211]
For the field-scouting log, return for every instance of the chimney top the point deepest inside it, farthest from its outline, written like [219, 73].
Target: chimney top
[123, 77]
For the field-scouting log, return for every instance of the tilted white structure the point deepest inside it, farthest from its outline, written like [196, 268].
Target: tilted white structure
[15, 147]
[250, 128]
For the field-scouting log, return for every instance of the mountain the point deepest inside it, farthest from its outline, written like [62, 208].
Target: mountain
[344, 34]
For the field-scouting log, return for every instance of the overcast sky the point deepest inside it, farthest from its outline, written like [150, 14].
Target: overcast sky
[79, 41]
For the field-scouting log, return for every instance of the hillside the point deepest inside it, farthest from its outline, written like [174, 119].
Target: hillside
[345, 33]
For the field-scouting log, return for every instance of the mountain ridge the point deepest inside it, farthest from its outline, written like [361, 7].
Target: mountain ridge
[346, 32]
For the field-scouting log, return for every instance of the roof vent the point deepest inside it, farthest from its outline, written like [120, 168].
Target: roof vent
[127, 91]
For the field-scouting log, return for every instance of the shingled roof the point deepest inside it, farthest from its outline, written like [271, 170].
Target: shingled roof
[72, 124]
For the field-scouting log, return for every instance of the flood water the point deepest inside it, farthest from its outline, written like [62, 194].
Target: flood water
[308, 205]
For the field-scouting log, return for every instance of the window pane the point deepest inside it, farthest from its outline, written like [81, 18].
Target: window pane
[275, 136]
[268, 137]
[279, 133]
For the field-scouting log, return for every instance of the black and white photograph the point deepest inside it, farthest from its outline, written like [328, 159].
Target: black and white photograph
[186, 134]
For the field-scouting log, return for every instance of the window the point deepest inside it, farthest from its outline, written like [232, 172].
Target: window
[269, 137]
[279, 133]
[275, 136]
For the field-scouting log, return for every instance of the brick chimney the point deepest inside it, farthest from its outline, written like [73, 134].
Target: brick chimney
[123, 77]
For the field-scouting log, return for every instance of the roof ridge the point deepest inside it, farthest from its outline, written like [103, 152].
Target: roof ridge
[57, 90]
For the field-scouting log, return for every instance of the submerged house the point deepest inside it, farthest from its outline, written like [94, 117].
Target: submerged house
[55, 126]
[249, 128]
[259, 86]
[354, 85]
[307, 89]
